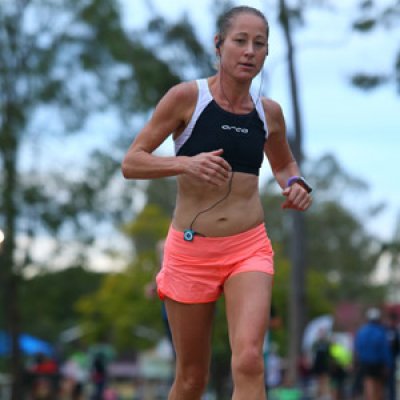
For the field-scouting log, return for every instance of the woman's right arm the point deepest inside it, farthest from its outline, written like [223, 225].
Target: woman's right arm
[171, 115]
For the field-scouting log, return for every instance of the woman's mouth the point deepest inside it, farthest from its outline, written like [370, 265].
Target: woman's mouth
[247, 65]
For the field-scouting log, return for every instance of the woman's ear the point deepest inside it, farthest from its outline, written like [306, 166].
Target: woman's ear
[218, 42]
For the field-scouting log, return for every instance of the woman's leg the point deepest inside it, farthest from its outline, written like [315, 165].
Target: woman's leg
[191, 328]
[248, 299]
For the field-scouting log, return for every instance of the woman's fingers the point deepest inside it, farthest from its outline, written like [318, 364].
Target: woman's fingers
[297, 198]
[211, 167]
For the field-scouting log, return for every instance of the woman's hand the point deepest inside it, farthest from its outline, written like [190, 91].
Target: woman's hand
[297, 197]
[209, 167]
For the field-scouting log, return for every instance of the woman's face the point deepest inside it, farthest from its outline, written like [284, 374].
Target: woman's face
[245, 47]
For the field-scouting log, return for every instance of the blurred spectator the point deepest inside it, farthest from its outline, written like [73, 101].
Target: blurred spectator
[275, 323]
[305, 371]
[75, 374]
[99, 377]
[340, 365]
[372, 353]
[43, 389]
[44, 365]
[321, 364]
[110, 394]
[274, 367]
[394, 343]
[44, 377]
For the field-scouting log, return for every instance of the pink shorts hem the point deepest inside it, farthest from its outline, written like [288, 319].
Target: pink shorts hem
[195, 272]
[264, 271]
[165, 294]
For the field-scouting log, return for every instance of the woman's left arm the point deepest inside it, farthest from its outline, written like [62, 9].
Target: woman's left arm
[283, 164]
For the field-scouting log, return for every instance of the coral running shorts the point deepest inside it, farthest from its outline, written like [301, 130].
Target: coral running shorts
[195, 271]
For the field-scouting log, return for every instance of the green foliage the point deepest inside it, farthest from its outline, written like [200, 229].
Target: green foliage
[339, 244]
[148, 228]
[367, 82]
[366, 4]
[162, 192]
[365, 24]
[398, 72]
[186, 54]
[292, 14]
[118, 310]
[332, 180]
[48, 300]
[347, 254]
[373, 15]
[341, 254]
[77, 60]
[61, 63]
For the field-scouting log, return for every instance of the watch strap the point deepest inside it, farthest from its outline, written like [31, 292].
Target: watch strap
[300, 180]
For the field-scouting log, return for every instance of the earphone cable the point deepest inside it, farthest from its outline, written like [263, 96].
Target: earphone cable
[258, 94]
[215, 204]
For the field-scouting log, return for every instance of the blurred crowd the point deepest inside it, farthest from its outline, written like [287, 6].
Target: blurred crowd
[358, 366]
[78, 378]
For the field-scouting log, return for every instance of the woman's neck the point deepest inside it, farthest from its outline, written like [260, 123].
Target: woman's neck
[230, 93]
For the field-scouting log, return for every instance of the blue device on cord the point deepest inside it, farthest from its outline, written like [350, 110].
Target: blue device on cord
[188, 235]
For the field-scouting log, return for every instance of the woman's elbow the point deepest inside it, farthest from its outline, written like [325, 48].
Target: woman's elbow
[127, 170]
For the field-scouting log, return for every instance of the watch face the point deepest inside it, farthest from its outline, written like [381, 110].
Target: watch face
[305, 185]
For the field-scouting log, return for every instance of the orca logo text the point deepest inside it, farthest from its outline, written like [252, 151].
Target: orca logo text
[234, 128]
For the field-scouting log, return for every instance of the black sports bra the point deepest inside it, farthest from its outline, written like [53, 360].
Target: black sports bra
[242, 137]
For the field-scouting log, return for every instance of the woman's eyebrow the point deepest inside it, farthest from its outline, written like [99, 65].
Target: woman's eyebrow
[246, 34]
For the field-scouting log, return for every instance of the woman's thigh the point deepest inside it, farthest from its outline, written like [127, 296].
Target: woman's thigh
[191, 329]
[248, 303]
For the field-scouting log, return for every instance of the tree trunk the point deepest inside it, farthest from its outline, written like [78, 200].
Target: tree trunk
[13, 120]
[297, 298]
[9, 277]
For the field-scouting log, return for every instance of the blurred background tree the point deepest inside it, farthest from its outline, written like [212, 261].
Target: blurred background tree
[61, 64]
[372, 16]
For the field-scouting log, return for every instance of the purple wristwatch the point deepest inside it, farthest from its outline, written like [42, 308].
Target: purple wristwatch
[300, 180]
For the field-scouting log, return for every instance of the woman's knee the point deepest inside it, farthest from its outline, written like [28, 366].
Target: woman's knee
[192, 379]
[249, 361]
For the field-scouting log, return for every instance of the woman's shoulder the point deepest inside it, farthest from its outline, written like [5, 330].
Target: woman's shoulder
[180, 101]
[273, 114]
[184, 92]
[272, 108]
